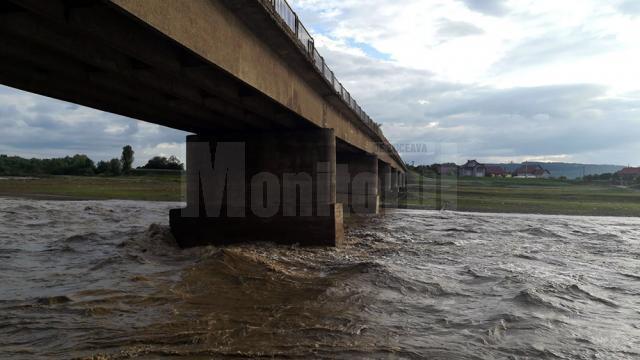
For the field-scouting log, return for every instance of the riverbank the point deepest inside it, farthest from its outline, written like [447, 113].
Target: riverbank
[527, 196]
[537, 196]
[148, 188]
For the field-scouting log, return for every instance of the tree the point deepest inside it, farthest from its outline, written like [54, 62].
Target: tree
[79, 165]
[162, 163]
[103, 167]
[127, 158]
[71, 165]
[115, 167]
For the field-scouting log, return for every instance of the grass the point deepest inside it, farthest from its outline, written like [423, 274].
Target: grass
[539, 196]
[153, 188]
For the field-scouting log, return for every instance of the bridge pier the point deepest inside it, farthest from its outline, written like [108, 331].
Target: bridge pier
[384, 181]
[391, 194]
[357, 182]
[278, 187]
[402, 190]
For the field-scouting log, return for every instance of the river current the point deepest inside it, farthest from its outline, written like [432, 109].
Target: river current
[105, 280]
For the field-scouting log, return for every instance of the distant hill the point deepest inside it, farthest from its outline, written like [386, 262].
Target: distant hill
[570, 171]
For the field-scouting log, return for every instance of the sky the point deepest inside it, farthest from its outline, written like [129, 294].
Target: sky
[41, 127]
[493, 80]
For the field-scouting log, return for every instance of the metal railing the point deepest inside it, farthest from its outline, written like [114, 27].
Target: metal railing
[286, 13]
[290, 18]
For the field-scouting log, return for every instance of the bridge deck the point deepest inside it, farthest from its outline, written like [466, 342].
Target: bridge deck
[192, 65]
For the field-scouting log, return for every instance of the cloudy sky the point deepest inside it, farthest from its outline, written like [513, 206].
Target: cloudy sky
[36, 126]
[496, 80]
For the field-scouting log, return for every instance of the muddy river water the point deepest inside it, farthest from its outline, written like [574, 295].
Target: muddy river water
[105, 280]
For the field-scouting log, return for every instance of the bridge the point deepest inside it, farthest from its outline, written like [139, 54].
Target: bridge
[281, 151]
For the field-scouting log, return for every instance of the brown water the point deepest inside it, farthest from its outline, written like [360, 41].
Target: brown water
[105, 280]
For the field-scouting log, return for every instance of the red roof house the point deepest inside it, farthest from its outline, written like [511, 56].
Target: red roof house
[495, 171]
[629, 171]
[531, 171]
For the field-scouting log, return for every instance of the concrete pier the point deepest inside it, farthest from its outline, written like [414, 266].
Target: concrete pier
[260, 187]
[402, 189]
[391, 197]
[384, 181]
[357, 183]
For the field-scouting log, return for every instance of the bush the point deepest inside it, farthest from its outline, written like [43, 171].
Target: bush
[162, 163]
[115, 167]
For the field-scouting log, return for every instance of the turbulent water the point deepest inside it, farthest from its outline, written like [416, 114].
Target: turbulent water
[105, 280]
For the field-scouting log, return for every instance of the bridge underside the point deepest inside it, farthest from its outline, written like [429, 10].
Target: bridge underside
[88, 52]
[92, 53]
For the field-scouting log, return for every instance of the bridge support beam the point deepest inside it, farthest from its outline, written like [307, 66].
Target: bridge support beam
[357, 183]
[278, 187]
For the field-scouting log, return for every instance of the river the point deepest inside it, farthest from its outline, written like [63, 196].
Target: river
[105, 280]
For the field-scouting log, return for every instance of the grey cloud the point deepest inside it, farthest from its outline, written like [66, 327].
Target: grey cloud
[386, 88]
[509, 121]
[7, 113]
[43, 121]
[557, 100]
[577, 43]
[453, 29]
[47, 107]
[487, 7]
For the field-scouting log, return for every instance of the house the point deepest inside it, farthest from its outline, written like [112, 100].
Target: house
[532, 171]
[448, 169]
[629, 172]
[495, 171]
[472, 168]
[628, 175]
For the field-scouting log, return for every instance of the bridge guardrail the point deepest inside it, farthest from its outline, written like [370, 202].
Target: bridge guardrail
[290, 18]
[286, 13]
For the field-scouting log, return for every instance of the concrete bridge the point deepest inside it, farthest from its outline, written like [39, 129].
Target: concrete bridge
[282, 151]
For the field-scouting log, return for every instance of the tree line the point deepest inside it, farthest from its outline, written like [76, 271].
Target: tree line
[613, 178]
[82, 165]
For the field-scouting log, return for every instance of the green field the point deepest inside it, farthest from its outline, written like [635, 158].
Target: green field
[151, 187]
[539, 196]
